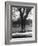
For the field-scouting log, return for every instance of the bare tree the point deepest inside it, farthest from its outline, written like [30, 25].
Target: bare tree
[23, 20]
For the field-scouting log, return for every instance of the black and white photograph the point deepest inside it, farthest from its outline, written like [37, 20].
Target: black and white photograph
[20, 22]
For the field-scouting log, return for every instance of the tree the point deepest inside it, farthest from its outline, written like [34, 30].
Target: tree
[23, 19]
